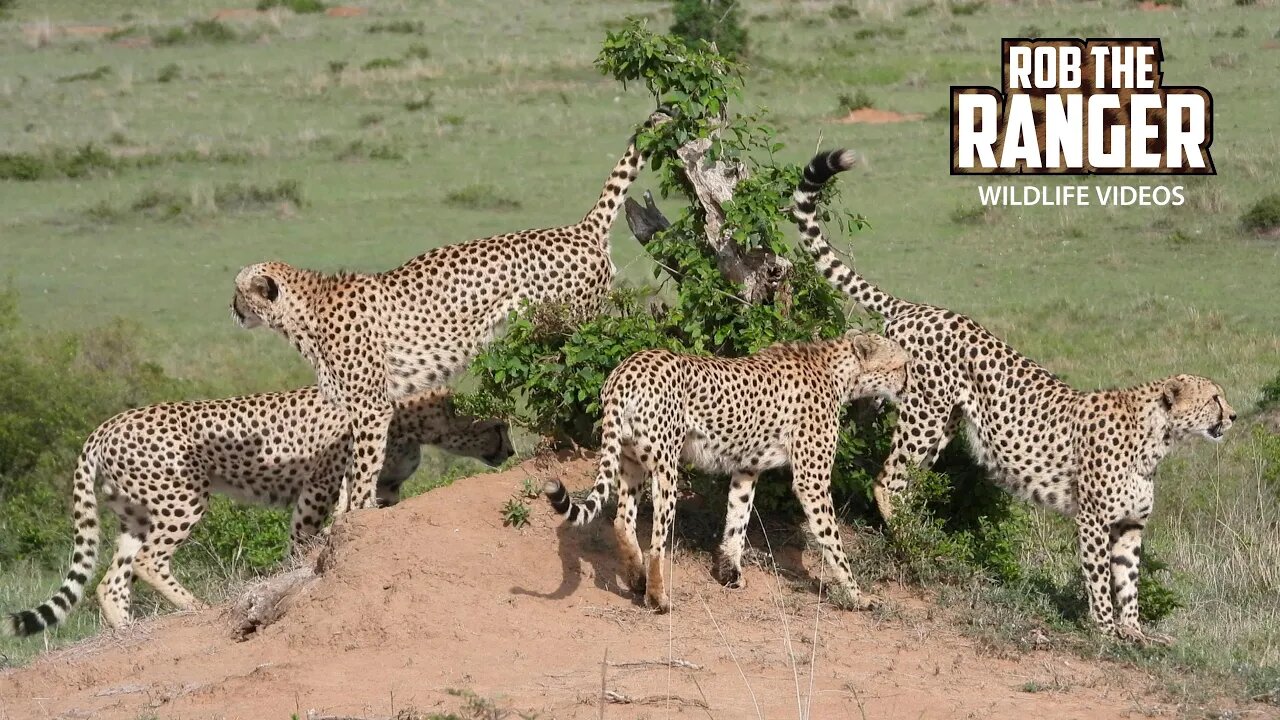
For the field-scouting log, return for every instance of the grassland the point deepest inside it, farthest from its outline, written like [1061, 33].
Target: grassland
[419, 124]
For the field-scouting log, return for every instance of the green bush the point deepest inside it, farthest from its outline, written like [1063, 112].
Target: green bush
[236, 538]
[716, 21]
[53, 393]
[1264, 215]
[954, 522]
[298, 6]
[546, 372]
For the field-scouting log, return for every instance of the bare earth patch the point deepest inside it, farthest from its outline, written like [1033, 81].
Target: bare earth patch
[342, 11]
[436, 595]
[873, 116]
[1150, 6]
[237, 14]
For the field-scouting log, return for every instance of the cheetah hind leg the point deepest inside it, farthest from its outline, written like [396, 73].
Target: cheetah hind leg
[153, 564]
[115, 591]
[664, 517]
[728, 562]
[630, 481]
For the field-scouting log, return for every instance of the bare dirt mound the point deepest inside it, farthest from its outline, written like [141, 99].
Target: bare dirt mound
[436, 595]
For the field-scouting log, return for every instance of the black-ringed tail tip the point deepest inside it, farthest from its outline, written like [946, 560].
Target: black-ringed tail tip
[824, 165]
[559, 497]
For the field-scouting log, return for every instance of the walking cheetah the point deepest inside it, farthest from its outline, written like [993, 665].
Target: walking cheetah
[731, 415]
[158, 464]
[373, 338]
[1090, 455]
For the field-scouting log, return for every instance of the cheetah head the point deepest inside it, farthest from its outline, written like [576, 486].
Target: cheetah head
[486, 440]
[884, 364]
[262, 296]
[1196, 407]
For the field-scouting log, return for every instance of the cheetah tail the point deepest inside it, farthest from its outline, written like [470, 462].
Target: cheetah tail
[585, 510]
[823, 167]
[85, 514]
[605, 211]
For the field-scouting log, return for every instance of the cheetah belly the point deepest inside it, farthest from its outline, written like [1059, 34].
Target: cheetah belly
[1029, 475]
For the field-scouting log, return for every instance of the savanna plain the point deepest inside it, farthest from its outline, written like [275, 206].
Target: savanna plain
[150, 149]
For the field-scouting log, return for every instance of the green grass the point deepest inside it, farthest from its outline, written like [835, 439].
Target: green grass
[474, 140]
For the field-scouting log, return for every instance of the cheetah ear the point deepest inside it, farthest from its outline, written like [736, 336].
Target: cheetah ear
[863, 346]
[1173, 387]
[266, 286]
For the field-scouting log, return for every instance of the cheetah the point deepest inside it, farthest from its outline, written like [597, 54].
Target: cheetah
[1087, 455]
[373, 338]
[158, 464]
[739, 416]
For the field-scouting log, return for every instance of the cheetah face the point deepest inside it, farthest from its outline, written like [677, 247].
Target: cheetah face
[496, 437]
[1197, 407]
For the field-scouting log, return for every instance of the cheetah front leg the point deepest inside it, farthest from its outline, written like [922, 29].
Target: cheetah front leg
[1095, 563]
[1126, 555]
[728, 562]
[369, 446]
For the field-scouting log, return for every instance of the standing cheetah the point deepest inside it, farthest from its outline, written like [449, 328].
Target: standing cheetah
[373, 338]
[731, 415]
[1090, 455]
[158, 464]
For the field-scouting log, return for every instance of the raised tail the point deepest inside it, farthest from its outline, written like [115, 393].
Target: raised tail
[823, 167]
[85, 515]
[605, 211]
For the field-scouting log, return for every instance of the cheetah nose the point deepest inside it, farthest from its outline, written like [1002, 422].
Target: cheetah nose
[1232, 417]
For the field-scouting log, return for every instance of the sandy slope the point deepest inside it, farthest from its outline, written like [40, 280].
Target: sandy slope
[436, 594]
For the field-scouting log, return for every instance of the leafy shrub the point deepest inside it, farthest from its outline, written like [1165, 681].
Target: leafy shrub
[953, 523]
[481, 197]
[1264, 215]
[1270, 394]
[857, 101]
[300, 7]
[237, 537]
[418, 51]
[401, 27]
[198, 31]
[56, 164]
[98, 73]
[967, 8]
[53, 393]
[169, 73]
[383, 64]
[715, 21]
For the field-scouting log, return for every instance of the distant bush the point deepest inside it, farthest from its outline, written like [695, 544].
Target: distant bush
[967, 8]
[401, 27]
[860, 100]
[197, 31]
[1264, 216]
[53, 393]
[383, 64]
[169, 73]
[298, 6]
[97, 73]
[481, 197]
[1270, 394]
[715, 21]
[56, 163]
